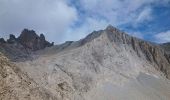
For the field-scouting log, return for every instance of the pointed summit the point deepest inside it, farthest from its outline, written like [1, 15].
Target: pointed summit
[31, 40]
[110, 27]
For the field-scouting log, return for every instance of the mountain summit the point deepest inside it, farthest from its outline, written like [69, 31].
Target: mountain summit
[21, 47]
[107, 64]
[31, 40]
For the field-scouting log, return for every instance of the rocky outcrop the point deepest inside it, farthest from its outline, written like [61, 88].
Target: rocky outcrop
[31, 40]
[20, 48]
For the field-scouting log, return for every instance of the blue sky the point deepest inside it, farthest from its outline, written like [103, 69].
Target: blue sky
[65, 20]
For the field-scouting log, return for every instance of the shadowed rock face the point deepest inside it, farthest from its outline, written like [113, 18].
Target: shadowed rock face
[20, 48]
[31, 40]
[166, 46]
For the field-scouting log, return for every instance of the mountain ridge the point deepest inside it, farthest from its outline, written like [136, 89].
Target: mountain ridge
[105, 64]
[150, 51]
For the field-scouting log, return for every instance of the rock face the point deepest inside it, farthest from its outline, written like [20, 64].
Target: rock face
[166, 46]
[20, 48]
[150, 51]
[31, 40]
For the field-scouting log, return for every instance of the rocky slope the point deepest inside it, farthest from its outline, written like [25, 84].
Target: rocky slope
[106, 65]
[144, 50]
[16, 85]
[20, 48]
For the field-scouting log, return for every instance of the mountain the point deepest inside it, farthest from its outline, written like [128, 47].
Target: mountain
[122, 42]
[20, 48]
[106, 65]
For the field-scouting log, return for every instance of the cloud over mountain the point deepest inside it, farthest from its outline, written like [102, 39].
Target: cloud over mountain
[66, 20]
[51, 17]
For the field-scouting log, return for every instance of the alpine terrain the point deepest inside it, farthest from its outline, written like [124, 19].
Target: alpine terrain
[106, 65]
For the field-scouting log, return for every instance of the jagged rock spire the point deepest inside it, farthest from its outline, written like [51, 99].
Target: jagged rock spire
[31, 40]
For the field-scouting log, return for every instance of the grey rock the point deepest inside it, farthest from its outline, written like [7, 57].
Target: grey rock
[31, 40]
[20, 49]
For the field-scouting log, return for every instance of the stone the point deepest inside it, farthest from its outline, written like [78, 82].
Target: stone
[31, 40]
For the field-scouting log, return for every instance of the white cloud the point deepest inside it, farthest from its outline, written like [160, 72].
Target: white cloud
[162, 37]
[137, 34]
[145, 15]
[57, 19]
[52, 16]
[120, 12]
[80, 32]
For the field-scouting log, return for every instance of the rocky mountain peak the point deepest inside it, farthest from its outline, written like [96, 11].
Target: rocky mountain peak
[27, 38]
[31, 40]
[143, 49]
[102, 63]
[110, 27]
[111, 31]
[22, 46]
